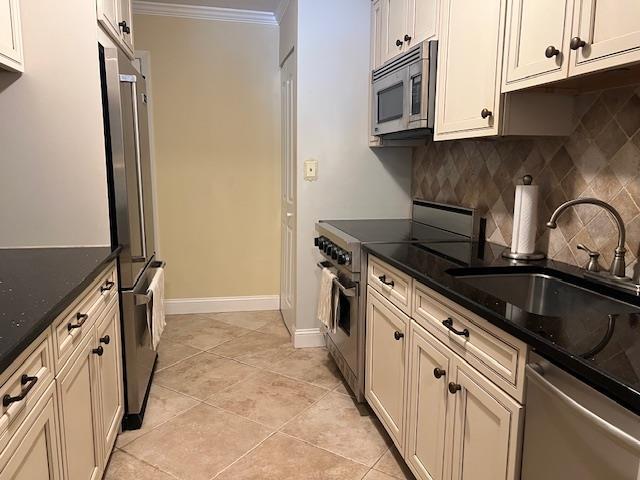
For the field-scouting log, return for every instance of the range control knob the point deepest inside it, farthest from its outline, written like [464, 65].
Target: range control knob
[328, 249]
[335, 253]
[316, 241]
[342, 258]
[347, 258]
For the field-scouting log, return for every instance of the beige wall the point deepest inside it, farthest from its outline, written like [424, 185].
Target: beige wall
[53, 187]
[216, 121]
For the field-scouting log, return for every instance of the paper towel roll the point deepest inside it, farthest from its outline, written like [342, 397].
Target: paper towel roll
[525, 219]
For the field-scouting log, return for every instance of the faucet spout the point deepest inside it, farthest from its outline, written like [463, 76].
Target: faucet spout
[618, 266]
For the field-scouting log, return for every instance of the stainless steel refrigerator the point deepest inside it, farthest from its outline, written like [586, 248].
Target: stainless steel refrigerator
[124, 101]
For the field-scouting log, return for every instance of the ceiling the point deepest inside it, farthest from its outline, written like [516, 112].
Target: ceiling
[260, 5]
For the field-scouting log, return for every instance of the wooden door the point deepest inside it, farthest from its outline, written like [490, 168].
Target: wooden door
[110, 377]
[483, 431]
[430, 364]
[34, 453]
[386, 359]
[78, 399]
[537, 36]
[422, 21]
[288, 192]
[126, 16]
[394, 27]
[610, 30]
[10, 35]
[109, 16]
[469, 68]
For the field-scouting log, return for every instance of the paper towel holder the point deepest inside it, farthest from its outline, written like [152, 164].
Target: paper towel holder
[524, 257]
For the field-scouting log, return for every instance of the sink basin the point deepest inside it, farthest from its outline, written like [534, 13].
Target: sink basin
[543, 294]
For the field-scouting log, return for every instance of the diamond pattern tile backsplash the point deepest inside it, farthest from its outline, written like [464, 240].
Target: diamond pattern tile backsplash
[600, 159]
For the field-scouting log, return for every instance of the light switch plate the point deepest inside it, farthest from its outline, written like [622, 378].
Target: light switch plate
[310, 170]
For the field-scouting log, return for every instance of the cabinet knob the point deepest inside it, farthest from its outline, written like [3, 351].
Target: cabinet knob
[106, 340]
[398, 335]
[407, 37]
[454, 387]
[399, 43]
[551, 52]
[486, 113]
[439, 373]
[98, 351]
[576, 43]
[124, 27]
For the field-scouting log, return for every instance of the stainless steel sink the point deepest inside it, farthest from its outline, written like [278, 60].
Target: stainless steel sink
[543, 294]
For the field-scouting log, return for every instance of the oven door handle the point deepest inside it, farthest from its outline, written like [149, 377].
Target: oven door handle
[348, 292]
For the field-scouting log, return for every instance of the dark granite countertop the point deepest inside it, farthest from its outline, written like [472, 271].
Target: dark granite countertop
[36, 285]
[564, 340]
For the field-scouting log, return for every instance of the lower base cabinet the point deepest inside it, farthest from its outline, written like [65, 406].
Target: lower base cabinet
[386, 351]
[33, 452]
[79, 414]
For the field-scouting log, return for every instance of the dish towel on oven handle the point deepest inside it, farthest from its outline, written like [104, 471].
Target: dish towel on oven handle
[326, 300]
[155, 313]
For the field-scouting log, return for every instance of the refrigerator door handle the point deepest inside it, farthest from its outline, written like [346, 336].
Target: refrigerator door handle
[136, 126]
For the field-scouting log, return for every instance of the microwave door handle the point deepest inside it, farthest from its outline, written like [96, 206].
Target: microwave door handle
[136, 135]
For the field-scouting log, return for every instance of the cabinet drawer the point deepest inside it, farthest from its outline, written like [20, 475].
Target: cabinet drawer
[391, 283]
[72, 326]
[32, 374]
[493, 352]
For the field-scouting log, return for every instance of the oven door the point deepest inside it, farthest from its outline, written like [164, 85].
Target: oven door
[346, 294]
[390, 103]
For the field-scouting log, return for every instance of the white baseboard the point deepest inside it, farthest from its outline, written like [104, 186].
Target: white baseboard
[308, 337]
[221, 304]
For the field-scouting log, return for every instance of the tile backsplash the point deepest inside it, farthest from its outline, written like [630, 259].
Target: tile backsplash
[600, 159]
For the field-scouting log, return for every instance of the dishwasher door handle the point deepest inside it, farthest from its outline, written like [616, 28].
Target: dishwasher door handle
[535, 372]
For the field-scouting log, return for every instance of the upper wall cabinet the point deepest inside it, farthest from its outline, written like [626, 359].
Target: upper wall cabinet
[538, 42]
[116, 17]
[401, 24]
[469, 67]
[550, 40]
[10, 36]
[605, 34]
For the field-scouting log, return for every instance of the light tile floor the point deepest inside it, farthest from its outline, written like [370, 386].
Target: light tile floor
[233, 400]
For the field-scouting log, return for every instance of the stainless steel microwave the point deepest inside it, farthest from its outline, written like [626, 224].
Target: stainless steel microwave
[403, 93]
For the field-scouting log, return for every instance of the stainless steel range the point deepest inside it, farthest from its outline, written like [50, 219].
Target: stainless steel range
[340, 244]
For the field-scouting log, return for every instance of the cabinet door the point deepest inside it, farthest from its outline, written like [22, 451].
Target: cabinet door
[126, 16]
[422, 20]
[483, 428]
[430, 364]
[10, 35]
[79, 414]
[537, 49]
[386, 353]
[110, 378]
[469, 68]
[33, 453]
[376, 34]
[394, 27]
[109, 16]
[611, 32]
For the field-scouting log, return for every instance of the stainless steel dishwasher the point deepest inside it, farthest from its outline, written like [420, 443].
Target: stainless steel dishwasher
[574, 432]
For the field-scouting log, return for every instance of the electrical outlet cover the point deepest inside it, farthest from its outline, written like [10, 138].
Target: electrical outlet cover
[310, 170]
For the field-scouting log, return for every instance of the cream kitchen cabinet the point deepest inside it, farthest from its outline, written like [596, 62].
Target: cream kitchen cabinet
[480, 414]
[551, 40]
[33, 452]
[116, 18]
[10, 36]
[537, 49]
[78, 397]
[605, 34]
[469, 102]
[400, 25]
[469, 68]
[386, 361]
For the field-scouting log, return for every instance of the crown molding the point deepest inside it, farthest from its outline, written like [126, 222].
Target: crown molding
[282, 7]
[204, 13]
